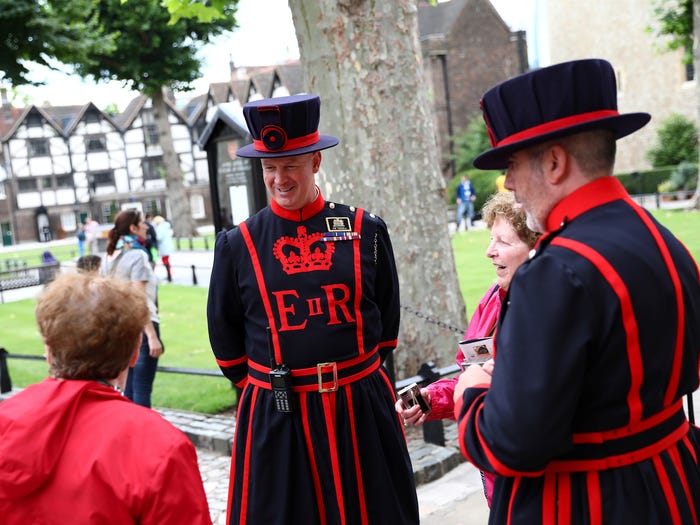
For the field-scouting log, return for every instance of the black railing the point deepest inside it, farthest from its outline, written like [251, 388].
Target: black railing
[433, 431]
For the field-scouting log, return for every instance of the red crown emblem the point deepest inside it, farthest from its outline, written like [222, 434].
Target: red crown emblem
[305, 253]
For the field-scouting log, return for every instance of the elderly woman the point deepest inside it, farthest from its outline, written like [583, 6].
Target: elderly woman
[511, 241]
[127, 259]
[73, 449]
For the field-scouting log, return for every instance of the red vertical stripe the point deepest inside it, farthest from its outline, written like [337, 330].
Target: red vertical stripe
[549, 499]
[629, 322]
[329, 413]
[595, 509]
[511, 503]
[356, 453]
[257, 268]
[246, 461]
[676, 459]
[357, 266]
[667, 489]
[312, 459]
[564, 498]
[680, 310]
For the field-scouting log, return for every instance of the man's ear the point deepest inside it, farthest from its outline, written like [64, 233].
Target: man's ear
[556, 163]
[316, 161]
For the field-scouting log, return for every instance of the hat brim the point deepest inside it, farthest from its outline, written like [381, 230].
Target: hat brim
[620, 125]
[324, 142]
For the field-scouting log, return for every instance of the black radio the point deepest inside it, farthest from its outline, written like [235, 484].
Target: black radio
[280, 380]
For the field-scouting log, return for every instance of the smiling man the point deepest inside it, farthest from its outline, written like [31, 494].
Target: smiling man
[303, 308]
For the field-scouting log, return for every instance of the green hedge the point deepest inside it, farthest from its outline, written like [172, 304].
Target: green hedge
[647, 181]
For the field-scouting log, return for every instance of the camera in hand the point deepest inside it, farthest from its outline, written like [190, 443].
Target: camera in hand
[411, 396]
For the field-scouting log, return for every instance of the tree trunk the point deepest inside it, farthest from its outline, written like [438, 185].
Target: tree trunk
[363, 58]
[696, 68]
[181, 216]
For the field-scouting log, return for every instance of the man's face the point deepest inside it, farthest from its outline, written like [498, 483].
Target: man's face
[525, 177]
[290, 180]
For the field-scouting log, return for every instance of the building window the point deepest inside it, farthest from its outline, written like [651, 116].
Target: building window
[153, 168]
[95, 143]
[38, 148]
[102, 178]
[197, 207]
[24, 185]
[151, 134]
[34, 120]
[64, 181]
[46, 183]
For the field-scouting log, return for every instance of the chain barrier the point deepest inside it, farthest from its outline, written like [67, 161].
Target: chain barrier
[434, 321]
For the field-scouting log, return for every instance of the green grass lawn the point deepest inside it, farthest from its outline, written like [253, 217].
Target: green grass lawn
[184, 328]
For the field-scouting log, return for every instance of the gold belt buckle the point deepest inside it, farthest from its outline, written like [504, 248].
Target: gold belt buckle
[322, 368]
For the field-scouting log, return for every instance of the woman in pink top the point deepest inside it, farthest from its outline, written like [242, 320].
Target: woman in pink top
[511, 242]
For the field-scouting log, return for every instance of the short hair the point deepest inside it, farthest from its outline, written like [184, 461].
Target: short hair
[91, 324]
[88, 263]
[503, 204]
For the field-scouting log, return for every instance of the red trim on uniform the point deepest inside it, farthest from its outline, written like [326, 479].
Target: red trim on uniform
[564, 498]
[549, 499]
[232, 469]
[302, 214]
[678, 465]
[246, 462]
[290, 144]
[257, 268]
[689, 448]
[388, 344]
[356, 453]
[312, 370]
[511, 503]
[595, 506]
[668, 490]
[628, 430]
[634, 402]
[672, 386]
[620, 460]
[596, 193]
[312, 460]
[556, 125]
[357, 265]
[329, 415]
[232, 362]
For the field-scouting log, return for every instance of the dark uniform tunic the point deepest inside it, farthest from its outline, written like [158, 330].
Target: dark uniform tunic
[597, 344]
[324, 280]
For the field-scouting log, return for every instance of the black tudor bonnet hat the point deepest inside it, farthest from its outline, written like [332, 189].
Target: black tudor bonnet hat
[284, 126]
[552, 102]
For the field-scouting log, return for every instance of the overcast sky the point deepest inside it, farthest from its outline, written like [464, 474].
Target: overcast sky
[261, 39]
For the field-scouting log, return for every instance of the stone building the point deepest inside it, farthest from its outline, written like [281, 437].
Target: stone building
[648, 79]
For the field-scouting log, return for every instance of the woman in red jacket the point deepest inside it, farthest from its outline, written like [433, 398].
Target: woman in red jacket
[511, 241]
[73, 449]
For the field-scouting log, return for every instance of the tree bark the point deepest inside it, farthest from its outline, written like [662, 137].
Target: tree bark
[363, 59]
[696, 68]
[181, 215]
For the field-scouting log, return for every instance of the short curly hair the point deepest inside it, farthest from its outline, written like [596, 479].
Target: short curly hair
[91, 325]
[503, 204]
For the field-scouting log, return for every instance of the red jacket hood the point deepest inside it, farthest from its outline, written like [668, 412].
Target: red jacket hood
[34, 427]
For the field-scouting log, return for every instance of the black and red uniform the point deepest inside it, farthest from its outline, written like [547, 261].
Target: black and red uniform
[598, 342]
[324, 280]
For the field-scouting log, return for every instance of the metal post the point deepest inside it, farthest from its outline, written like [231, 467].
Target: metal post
[433, 431]
[5, 382]
[194, 277]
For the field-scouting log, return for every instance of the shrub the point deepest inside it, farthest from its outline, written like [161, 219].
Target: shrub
[677, 141]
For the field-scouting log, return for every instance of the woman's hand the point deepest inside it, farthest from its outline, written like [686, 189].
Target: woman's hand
[413, 415]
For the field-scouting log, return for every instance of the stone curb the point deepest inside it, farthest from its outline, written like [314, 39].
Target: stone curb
[215, 433]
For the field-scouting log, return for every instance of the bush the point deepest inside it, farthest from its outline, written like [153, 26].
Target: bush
[684, 177]
[677, 141]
